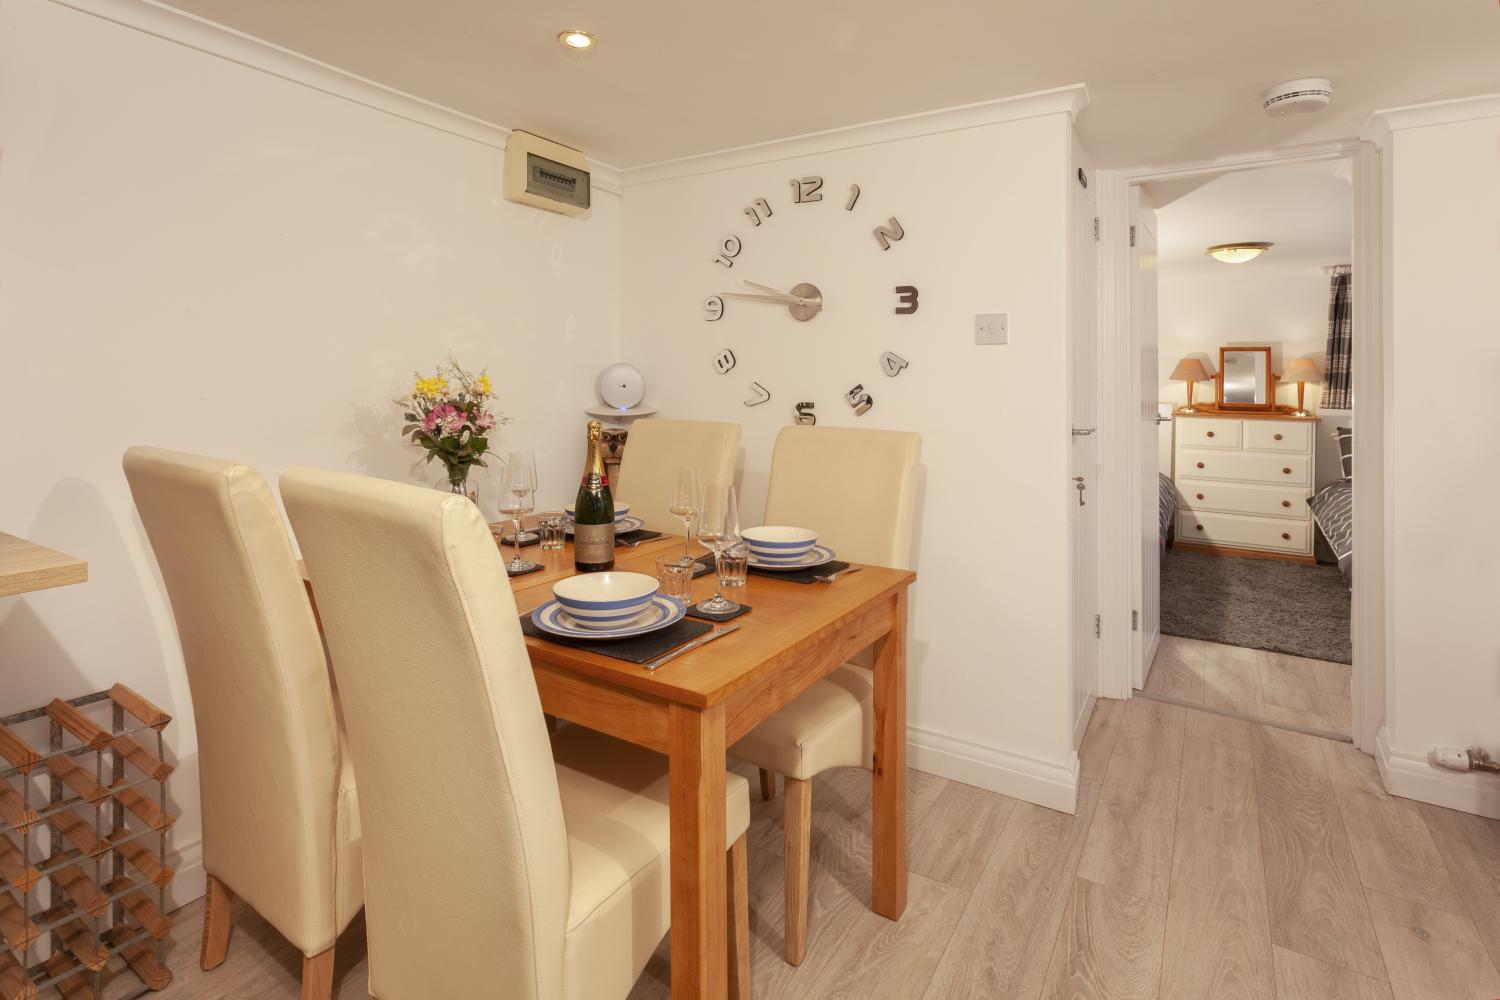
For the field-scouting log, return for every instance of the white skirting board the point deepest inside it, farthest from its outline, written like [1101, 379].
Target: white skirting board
[1413, 777]
[1044, 783]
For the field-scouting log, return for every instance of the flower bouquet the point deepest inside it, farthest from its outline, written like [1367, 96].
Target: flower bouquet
[449, 415]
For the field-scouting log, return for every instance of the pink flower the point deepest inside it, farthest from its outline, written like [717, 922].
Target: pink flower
[443, 417]
[484, 420]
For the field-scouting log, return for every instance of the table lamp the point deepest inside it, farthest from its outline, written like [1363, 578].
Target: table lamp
[1189, 370]
[1302, 371]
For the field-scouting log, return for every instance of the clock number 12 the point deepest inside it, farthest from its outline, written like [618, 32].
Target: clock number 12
[806, 189]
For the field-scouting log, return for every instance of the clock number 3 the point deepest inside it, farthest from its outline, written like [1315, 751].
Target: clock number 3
[860, 400]
[806, 189]
[729, 249]
[759, 211]
[908, 296]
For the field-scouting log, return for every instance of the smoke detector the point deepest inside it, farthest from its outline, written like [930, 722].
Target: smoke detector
[1297, 97]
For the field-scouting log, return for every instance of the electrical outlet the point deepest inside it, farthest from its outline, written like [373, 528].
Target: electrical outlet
[991, 328]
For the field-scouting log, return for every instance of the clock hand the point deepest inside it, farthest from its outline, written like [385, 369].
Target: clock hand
[779, 299]
[775, 291]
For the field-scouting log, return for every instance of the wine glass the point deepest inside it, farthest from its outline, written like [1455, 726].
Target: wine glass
[719, 529]
[686, 502]
[517, 485]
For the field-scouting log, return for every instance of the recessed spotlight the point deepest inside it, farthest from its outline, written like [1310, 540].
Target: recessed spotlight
[1237, 253]
[576, 39]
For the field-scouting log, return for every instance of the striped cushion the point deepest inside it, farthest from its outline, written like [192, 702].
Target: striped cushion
[1345, 437]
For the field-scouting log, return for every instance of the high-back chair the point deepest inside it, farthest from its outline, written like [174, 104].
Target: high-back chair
[857, 488]
[280, 813]
[500, 864]
[654, 451]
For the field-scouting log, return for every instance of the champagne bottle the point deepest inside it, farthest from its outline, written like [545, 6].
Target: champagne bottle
[594, 511]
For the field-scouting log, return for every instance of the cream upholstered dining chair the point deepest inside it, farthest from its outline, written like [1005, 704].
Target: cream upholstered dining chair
[500, 864]
[280, 812]
[653, 452]
[857, 489]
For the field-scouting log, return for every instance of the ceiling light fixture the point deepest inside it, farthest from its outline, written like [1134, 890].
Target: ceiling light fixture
[1237, 253]
[576, 39]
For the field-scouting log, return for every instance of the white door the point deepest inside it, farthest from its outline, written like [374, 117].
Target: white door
[1143, 319]
[1083, 390]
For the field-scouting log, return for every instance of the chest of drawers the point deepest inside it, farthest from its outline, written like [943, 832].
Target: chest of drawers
[1243, 483]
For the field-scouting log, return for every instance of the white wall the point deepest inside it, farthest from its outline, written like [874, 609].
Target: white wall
[1443, 680]
[984, 206]
[1205, 306]
[204, 255]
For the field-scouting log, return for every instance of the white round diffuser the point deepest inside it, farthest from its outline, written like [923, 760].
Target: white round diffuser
[622, 386]
[1297, 97]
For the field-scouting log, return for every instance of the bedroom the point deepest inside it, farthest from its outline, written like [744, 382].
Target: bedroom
[1255, 507]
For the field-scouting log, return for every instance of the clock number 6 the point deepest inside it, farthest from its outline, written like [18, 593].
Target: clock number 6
[729, 248]
[908, 296]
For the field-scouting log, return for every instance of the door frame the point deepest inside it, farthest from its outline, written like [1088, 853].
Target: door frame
[1120, 408]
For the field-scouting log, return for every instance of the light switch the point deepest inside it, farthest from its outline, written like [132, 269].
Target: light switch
[991, 328]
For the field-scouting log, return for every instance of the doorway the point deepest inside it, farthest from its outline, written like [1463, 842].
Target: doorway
[1139, 441]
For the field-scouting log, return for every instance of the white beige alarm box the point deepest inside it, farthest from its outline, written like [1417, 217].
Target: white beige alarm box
[545, 174]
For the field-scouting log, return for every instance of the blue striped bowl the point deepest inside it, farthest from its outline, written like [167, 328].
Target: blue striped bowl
[778, 543]
[605, 600]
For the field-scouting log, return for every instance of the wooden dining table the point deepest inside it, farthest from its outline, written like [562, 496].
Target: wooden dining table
[693, 707]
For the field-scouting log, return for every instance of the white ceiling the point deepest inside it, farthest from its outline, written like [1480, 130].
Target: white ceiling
[1170, 80]
[1305, 209]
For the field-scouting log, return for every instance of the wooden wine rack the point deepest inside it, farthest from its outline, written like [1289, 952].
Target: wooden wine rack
[92, 847]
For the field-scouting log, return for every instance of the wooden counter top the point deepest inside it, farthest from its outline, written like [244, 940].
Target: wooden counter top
[26, 566]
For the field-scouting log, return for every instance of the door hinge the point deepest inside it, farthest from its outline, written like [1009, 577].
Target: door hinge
[1097, 631]
[1132, 236]
[1096, 229]
[1135, 621]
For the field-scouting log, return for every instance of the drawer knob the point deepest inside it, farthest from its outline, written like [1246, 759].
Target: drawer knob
[1197, 527]
[1286, 537]
[1199, 496]
[1276, 437]
[1286, 472]
[1286, 503]
[1200, 465]
[1210, 433]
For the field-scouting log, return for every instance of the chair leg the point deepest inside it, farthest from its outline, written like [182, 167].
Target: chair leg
[767, 785]
[317, 976]
[796, 822]
[739, 922]
[218, 922]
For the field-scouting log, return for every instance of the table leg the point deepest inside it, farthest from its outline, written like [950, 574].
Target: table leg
[889, 891]
[700, 932]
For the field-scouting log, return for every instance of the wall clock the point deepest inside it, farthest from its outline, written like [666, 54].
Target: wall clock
[803, 301]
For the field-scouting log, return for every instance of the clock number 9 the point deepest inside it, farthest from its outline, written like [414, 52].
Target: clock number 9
[729, 248]
[713, 308]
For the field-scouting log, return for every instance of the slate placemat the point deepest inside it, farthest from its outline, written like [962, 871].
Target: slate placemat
[693, 612]
[635, 537]
[638, 649]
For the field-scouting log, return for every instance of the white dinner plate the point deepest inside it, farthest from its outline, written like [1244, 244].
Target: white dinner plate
[819, 556]
[627, 523]
[663, 611]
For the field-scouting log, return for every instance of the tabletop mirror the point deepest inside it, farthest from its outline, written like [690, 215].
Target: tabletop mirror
[1245, 379]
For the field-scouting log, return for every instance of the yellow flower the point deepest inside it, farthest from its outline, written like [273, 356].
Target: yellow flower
[431, 388]
[483, 382]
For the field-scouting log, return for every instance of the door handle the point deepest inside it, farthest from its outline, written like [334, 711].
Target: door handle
[1078, 481]
[1079, 432]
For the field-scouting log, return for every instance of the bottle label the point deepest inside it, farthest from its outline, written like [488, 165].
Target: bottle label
[593, 543]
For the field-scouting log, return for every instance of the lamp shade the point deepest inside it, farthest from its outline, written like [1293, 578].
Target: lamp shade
[1302, 370]
[1189, 370]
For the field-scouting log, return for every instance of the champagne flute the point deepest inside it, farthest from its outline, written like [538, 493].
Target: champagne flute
[516, 488]
[686, 502]
[719, 529]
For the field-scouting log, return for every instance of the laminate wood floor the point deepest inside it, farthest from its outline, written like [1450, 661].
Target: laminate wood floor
[1291, 691]
[1210, 858]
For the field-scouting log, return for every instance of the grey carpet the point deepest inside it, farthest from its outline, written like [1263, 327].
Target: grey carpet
[1260, 603]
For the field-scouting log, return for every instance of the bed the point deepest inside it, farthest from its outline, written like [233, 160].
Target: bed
[1333, 507]
[1333, 510]
[1167, 508]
